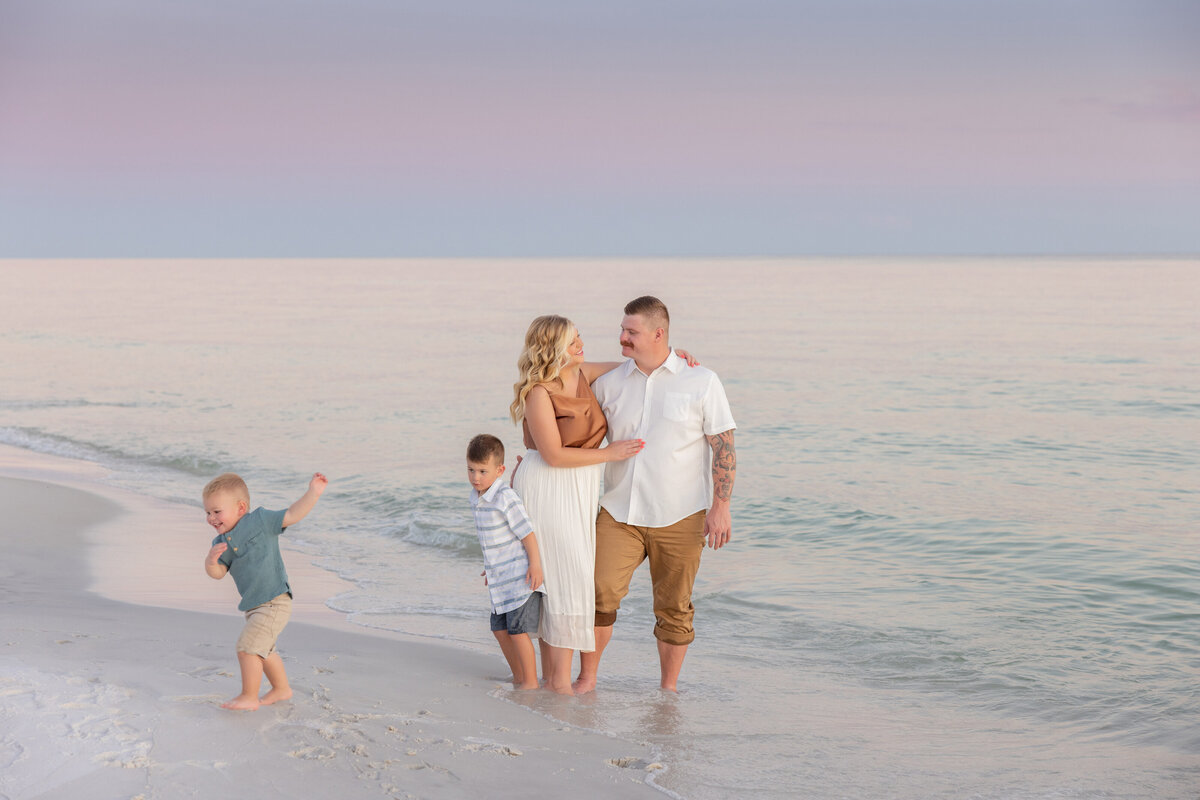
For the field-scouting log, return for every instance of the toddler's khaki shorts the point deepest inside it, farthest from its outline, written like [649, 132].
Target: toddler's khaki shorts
[263, 625]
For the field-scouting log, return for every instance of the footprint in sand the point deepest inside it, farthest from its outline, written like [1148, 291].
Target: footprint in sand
[204, 699]
[434, 767]
[634, 763]
[205, 673]
[484, 746]
[313, 753]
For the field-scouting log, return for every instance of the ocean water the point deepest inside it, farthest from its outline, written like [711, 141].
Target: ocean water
[965, 557]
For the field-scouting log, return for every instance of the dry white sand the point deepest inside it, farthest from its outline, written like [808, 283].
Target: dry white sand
[108, 699]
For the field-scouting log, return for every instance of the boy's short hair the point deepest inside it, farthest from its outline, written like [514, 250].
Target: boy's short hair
[483, 448]
[231, 483]
[651, 308]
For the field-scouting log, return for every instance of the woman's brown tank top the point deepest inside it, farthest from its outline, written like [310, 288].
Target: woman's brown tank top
[580, 420]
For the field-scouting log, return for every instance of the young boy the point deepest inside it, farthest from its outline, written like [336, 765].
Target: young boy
[511, 560]
[247, 545]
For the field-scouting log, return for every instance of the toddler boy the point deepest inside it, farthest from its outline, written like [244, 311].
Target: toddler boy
[511, 560]
[247, 545]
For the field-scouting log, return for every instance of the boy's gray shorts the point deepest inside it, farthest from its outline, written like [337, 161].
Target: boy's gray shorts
[521, 620]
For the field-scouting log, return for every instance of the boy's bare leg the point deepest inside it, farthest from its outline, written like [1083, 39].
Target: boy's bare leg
[589, 663]
[670, 661]
[508, 647]
[252, 672]
[527, 659]
[559, 675]
[280, 689]
[518, 652]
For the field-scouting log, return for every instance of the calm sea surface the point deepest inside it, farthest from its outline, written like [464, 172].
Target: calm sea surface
[966, 518]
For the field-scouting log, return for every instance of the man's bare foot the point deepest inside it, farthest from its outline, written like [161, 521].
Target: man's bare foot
[242, 703]
[275, 696]
[584, 685]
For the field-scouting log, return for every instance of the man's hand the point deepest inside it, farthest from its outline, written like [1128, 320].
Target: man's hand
[718, 525]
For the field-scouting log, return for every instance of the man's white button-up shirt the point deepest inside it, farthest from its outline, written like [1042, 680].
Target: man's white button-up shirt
[674, 409]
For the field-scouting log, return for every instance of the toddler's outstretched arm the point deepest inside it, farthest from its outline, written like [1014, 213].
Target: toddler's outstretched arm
[299, 509]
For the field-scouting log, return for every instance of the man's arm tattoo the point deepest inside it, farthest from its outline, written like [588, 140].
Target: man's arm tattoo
[724, 465]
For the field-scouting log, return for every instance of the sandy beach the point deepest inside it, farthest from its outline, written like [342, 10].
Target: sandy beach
[105, 699]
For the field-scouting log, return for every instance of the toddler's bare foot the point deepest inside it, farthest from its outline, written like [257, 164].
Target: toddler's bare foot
[242, 703]
[274, 696]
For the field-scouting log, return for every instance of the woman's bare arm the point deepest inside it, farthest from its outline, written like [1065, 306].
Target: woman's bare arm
[539, 413]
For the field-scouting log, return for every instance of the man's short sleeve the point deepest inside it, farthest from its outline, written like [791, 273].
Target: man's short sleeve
[717, 416]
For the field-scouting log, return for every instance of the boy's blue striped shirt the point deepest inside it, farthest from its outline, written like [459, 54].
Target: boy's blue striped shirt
[501, 522]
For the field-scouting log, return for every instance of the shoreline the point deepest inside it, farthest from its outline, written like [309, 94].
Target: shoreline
[168, 570]
[102, 697]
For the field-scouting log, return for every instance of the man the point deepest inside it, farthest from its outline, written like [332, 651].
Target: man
[664, 503]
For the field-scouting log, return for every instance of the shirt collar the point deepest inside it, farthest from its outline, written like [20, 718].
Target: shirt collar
[492, 491]
[673, 363]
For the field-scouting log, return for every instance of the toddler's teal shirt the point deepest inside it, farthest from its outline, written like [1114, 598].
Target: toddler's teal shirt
[254, 559]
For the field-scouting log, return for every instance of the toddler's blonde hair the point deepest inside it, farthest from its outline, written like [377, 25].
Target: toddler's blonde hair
[231, 483]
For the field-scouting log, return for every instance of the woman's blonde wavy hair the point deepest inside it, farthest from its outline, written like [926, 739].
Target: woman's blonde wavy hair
[543, 358]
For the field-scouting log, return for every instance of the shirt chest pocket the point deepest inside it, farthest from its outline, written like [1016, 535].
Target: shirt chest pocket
[243, 547]
[681, 406]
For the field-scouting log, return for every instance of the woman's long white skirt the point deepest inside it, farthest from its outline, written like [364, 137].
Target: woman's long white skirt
[563, 501]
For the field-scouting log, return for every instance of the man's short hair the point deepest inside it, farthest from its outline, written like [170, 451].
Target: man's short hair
[231, 483]
[483, 448]
[652, 309]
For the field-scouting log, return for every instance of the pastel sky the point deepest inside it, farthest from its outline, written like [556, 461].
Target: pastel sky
[544, 127]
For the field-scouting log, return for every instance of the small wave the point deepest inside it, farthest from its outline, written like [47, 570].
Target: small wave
[79, 402]
[65, 447]
[436, 531]
[1157, 408]
[426, 518]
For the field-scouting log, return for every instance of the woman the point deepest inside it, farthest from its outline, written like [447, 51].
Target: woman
[559, 481]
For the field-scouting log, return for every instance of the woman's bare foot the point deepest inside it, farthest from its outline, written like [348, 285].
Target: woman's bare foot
[275, 696]
[565, 689]
[583, 685]
[242, 703]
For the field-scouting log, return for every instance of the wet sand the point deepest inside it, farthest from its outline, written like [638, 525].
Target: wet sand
[103, 698]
